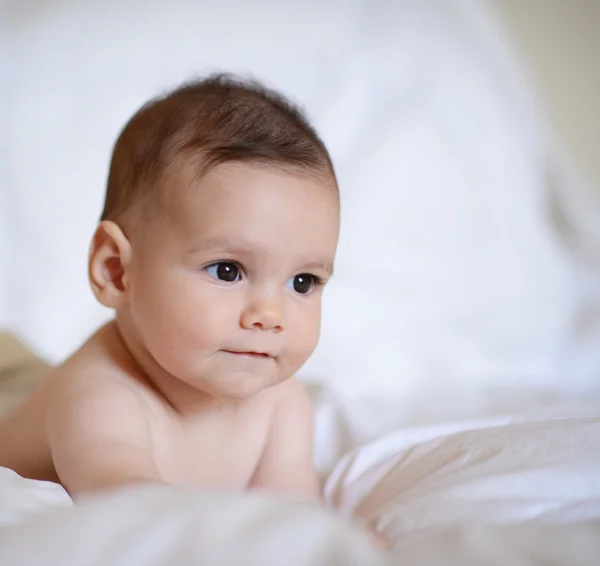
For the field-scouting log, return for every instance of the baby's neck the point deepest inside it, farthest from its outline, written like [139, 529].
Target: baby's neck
[180, 396]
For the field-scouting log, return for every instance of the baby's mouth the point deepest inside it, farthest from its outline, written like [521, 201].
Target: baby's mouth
[250, 354]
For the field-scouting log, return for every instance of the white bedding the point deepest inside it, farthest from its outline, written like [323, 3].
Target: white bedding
[489, 303]
[463, 491]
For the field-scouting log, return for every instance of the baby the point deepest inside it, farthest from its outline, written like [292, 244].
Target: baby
[218, 235]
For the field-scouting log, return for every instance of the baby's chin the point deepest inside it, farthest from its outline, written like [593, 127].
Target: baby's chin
[235, 385]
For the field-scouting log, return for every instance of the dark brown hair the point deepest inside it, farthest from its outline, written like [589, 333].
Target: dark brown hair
[211, 121]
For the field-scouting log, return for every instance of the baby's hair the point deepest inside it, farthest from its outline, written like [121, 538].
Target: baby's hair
[208, 122]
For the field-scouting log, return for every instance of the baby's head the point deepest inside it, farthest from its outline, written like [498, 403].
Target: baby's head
[219, 231]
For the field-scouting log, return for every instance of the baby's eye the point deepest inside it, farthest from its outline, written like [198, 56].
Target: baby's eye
[227, 271]
[303, 283]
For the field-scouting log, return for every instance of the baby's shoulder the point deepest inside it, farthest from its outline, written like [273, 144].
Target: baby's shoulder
[96, 367]
[89, 380]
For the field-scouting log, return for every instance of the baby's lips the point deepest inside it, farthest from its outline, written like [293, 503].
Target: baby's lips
[254, 353]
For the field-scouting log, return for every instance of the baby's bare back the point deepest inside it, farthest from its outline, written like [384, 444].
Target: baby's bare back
[93, 423]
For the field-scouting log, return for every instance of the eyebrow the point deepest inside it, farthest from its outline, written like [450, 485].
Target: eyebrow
[221, 244]
[323, 265]
[229, 245]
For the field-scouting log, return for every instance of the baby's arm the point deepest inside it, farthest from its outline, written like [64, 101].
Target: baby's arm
[99, 437]
[287, 461]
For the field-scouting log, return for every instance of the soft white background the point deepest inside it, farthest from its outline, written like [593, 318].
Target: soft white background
[459, 265]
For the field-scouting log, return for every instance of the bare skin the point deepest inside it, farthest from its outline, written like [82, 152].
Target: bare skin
[95, 424]
[216, 306]
[192, 383]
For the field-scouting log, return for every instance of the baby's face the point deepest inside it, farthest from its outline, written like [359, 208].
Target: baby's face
[227, 296]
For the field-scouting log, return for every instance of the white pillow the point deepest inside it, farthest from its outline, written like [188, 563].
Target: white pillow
[414, 483]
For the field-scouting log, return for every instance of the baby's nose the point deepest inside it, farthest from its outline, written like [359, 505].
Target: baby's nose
[263, 313]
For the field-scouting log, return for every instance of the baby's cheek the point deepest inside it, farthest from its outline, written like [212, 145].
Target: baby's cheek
[309, 332]
[299, 350]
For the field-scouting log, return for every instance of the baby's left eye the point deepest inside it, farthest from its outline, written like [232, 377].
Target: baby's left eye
[303, 283]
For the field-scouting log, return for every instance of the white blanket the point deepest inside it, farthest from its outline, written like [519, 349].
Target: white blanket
[465, 492]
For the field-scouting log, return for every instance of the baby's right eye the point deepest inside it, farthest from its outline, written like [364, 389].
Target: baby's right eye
[226, 271]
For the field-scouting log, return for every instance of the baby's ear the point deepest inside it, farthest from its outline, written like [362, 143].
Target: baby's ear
[108, 264]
